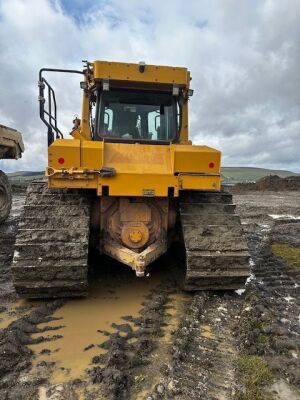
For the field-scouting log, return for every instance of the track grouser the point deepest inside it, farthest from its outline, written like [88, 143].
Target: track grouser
[127, 184]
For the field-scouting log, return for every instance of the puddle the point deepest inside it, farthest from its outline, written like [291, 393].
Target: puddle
[142, 395]
[82, 320]
[284, 216]
[175, 310]
[207, 332]
[16, 310]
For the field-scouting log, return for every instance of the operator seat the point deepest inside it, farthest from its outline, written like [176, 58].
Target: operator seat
[126, 122]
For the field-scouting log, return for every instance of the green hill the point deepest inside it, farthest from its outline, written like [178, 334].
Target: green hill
[20, 174]
[250, 174]
[24, 177]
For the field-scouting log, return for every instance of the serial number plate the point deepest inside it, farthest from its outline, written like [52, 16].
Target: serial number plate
[149, 192]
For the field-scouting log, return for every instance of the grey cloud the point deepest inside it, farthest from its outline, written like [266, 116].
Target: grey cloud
[244, 58]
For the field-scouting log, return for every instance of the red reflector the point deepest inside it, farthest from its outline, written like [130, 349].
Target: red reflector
[211, 165]
[61, 160]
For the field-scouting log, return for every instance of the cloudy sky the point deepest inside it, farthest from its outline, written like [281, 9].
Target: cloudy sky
[244, 56]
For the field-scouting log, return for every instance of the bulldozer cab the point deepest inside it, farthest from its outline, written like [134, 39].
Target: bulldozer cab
[131, 115]
[125, 103]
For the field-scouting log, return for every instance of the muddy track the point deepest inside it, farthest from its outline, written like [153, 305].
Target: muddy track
[203, 354]
[147, 339]
[270, 312]
[15, 357]
[269, 323]
[128, 350]
[7, 239]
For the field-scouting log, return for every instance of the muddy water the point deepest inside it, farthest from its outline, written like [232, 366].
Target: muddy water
[15, 311]
[177, 302]
[85, 321]
[207, 332]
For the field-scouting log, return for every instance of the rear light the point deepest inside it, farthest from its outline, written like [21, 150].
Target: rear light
[211, 165]
[61, 160]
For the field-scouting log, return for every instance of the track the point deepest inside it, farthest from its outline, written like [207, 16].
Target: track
[51, 250]
[204, 355]
[216, 250]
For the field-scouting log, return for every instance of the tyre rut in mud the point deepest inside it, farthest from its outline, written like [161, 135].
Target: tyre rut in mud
[16, 357]
[51, 250]
[129, 349]
[270, 317]
[204, 354]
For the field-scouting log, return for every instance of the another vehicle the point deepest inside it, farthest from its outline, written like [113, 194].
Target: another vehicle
[11, 146]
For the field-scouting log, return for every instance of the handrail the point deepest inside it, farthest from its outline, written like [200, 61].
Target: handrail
[49, 116]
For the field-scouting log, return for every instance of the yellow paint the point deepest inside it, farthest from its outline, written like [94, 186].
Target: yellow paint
[184, 131]
[153, 74]
[92, 154]
[196, 159]
[139, 168]
[85, 118]
[186, 182]
[138, 158]
[69, 150]
[83, 318]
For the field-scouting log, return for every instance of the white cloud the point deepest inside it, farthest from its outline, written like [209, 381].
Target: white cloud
[244, 58]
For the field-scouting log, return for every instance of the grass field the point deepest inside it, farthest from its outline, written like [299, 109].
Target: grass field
[249, 174]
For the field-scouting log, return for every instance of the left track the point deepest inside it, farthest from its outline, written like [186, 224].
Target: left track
[51, 250]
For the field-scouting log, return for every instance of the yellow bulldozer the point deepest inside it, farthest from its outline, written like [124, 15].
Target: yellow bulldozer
[126, 183]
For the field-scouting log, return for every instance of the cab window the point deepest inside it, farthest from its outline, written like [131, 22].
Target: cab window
[128, 115]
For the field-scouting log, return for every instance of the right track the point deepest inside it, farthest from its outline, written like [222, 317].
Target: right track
[217, 255]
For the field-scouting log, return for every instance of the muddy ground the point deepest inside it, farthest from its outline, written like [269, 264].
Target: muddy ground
[147, 339]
